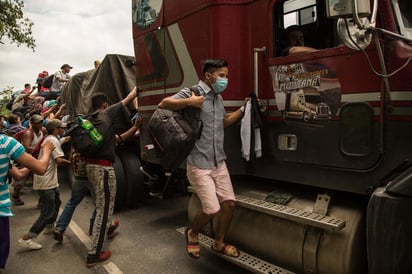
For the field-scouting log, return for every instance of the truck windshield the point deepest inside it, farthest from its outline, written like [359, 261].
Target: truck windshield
[315, 99]
[403, 12]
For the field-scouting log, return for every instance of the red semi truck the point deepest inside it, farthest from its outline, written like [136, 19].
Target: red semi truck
[329, 195]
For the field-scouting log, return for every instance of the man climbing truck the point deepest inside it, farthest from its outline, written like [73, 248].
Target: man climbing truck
[328, 195]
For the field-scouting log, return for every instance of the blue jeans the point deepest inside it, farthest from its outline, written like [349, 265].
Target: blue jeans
[48, 211]
[80, 188]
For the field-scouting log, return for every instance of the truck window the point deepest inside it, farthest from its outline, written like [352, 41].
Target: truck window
[319, 31]
[299, 12]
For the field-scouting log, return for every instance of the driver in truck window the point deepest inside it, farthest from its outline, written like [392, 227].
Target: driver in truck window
[294, 42]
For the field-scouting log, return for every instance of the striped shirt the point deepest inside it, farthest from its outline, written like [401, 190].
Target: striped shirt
[10, 149]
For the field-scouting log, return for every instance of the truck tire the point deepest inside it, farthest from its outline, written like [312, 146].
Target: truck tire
[121, 187]
[134, 179]
[306, 117]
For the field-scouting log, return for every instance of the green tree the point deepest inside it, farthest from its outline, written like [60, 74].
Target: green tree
[5, 96]
[14, 25]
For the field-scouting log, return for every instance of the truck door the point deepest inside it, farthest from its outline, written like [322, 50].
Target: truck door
[342, 129]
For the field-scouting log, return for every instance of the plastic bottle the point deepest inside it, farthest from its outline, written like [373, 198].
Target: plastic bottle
[93, 132]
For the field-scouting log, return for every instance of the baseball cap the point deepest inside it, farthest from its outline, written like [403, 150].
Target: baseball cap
[65, 65]
[36, 118]
[54, 123]
[51, 103]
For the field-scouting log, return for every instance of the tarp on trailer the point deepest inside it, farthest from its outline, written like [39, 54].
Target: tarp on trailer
[115, 77]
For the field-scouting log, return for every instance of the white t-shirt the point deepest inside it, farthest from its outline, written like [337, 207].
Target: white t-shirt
[49, 180]
[57, 85]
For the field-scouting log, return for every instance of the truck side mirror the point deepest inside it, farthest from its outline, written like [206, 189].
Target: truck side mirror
[353, 24]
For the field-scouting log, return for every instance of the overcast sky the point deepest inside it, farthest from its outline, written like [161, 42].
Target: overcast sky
[76, 32]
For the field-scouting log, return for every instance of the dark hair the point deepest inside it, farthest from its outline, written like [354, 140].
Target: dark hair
[211, 65]
[98, 100]
[13, 118]
[26, 85]
[290, 29]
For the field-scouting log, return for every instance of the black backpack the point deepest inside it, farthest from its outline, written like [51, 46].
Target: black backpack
[80, 137]
[174, 133]
[48, 81]
[10, 103]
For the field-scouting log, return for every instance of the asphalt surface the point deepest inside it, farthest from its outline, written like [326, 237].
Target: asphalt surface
[147, 241]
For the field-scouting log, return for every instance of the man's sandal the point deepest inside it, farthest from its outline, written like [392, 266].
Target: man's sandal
[192, 248]
[228, 250]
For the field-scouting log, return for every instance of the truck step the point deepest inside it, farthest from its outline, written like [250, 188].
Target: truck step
[292, 214]
[244, 260]
[327, 223]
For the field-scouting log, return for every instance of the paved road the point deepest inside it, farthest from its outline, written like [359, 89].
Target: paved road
[147, 241]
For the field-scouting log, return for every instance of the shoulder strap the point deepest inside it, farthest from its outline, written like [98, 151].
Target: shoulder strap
[195, 89]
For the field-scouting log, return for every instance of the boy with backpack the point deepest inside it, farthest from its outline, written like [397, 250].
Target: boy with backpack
[206, 164]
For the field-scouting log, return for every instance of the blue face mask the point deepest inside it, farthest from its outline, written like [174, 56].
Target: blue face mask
[220, 85]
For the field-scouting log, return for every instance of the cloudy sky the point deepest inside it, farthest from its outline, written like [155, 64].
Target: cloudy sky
[76, 32]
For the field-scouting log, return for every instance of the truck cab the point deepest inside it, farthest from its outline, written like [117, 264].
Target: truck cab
[336, 121]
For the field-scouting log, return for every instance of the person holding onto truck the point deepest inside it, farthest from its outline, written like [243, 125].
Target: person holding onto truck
[101, 174]
[61, 77]
[81, 187]
[294, 42]
[206, 164]
[12, 150]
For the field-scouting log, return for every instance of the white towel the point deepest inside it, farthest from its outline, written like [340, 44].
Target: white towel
[245, 134]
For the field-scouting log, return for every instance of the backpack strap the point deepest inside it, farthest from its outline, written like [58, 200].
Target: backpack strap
[36, 151]
[196, 90]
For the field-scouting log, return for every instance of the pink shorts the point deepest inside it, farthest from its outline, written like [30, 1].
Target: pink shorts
[212, 186]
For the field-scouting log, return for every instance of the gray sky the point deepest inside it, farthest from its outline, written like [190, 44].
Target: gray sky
[76, 32]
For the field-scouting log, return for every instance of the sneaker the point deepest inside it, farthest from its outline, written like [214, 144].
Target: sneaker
[17, 201]
[58, 235]
[150, 176]
[104, 255]
[30, 244]
[111, 232]
[49, 229]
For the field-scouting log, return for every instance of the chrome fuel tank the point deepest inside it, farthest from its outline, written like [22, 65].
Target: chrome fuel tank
[296, 246]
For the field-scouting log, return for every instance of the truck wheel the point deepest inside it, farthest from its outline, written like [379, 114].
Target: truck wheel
[306, 117]
[134, 179]
[121, 187]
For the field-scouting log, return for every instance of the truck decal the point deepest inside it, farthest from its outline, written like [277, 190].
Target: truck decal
[306, 91]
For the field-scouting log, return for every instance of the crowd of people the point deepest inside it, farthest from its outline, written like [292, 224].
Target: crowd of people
[37, 136]
[35, 127]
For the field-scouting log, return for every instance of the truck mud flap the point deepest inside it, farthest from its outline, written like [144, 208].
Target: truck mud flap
[244, 260]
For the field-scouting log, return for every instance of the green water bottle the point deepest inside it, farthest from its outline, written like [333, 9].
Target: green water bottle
[93, 132]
